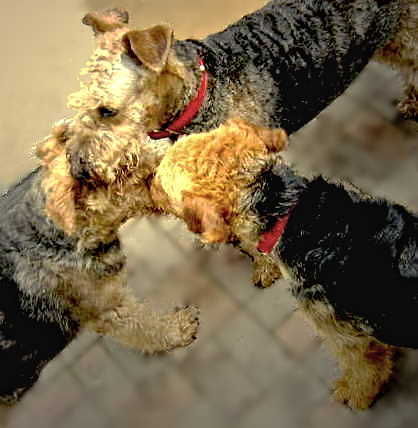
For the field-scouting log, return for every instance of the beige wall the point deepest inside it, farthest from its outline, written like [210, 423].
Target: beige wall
[44, 44]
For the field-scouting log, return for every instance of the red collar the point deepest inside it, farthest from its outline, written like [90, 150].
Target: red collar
[269, 239]
[189, 113]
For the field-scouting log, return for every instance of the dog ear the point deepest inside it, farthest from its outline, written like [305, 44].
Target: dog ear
[108, 20]
[159, 196]
[60, 205]
[206, 218]
[151, 46]
[60, 188]
[275, 139]
[53, 145]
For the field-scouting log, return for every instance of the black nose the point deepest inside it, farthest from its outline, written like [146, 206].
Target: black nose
[80, 167]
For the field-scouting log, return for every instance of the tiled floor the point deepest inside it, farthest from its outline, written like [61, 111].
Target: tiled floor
[256, 363]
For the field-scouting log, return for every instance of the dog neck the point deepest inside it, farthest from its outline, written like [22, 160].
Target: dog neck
[217, 104]
[176, 126]
[276, 192]
[269, 69]
[217, 97]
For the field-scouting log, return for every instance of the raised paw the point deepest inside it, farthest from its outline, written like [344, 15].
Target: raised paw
[265, 275]
[408, 108]
[353, 397]
[183, 327]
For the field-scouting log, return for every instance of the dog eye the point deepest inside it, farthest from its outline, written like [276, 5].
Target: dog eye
[106, 112]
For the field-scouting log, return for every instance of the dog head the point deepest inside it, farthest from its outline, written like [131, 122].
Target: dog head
[93, 184]
[205, 178]
[132, 84]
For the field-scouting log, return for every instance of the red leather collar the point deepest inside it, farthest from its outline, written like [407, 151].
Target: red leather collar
[269, 239]
[189, 113]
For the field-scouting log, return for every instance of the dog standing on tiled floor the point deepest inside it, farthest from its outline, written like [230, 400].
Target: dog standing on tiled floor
[352, 260]
[277, 67]
[61, 263]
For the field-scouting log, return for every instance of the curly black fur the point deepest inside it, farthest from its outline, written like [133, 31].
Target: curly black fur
[356, 253]
[292, 58]
[33, 326]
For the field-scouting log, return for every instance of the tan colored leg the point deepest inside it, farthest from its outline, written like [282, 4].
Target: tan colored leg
[136, 325]
[265, 272]
[366, 364]
[366, 367]
[409, 106]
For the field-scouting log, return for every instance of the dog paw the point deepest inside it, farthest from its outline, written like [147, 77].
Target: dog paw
[184, 325]
[264, 278]
[408, 108]
[355, 398]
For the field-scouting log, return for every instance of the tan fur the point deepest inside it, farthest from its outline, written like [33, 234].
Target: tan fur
[402, 54]
[59, 186]
[95, 175]
[151, 47]
[90, 209]
[134, 72]
[111, 149]
[366, 364]
[93, 211]
[203, 179]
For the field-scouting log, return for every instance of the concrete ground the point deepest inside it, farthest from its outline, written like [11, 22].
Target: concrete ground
[255, 364]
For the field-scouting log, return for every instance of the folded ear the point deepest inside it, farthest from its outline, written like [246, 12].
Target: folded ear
[206, 218]
[107, 20]
[61, 204]
[53, 145]
[274, 139]
[151, 46]
[61, 191]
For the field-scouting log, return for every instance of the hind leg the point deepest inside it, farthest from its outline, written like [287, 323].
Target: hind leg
[366, 367]
[366, 364]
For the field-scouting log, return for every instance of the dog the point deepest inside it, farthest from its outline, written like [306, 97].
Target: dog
[62, 268]
[183, 185]
[277, 67]
[352, 260]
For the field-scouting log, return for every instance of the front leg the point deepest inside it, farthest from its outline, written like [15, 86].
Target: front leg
[408, 107]
[266, 270]
[136, 325]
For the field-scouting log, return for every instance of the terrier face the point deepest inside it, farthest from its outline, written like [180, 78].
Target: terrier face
[130, 83]
[98, 163]
[93, 184]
